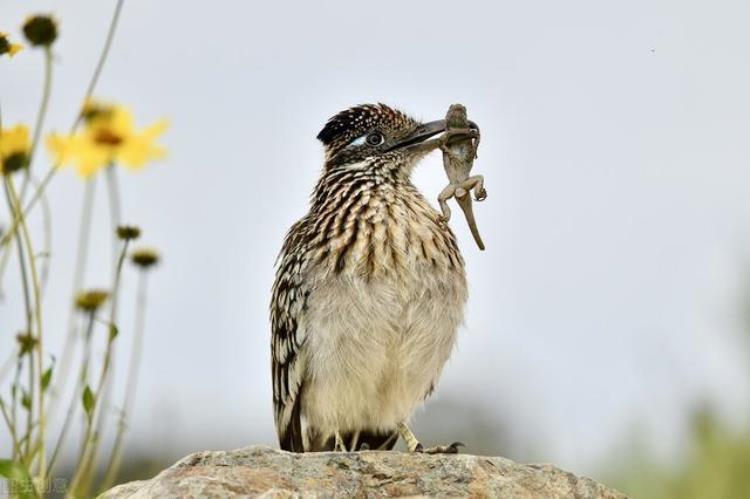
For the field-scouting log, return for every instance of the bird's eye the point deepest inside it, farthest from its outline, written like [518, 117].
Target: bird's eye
[375, 139]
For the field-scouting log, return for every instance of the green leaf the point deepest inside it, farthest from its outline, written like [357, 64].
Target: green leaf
[113, 332]
[20, 482]
[88, 400]
[46, 378]
[26, 400]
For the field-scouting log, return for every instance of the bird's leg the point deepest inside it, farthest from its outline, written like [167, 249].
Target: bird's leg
[339, 443]
[414, 446]
[411, 441]
[355, 441]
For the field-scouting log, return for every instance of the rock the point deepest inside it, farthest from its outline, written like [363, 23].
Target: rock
[262, 471]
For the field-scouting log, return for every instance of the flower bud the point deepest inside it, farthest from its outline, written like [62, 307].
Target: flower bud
[40, 30]
[144, 258]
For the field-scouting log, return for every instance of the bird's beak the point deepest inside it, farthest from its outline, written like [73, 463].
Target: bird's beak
[418, 139]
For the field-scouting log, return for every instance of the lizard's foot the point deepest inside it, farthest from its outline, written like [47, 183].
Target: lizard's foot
[443, 220]
[442, 449]
[443, 198]
[451, 133]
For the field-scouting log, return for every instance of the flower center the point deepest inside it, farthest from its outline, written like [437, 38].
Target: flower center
[107, 138]
[14, 162]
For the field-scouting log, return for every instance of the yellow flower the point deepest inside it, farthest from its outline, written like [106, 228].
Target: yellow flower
[108, 137]
[6, 47]
[14, 148]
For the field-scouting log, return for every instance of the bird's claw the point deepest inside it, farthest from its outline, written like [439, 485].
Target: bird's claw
[440, 449]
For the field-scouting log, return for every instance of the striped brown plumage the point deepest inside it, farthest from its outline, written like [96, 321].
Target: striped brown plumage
[369, 291]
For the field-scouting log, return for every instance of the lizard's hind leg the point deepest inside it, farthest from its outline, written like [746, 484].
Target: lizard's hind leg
[443, 198]
[475, 183]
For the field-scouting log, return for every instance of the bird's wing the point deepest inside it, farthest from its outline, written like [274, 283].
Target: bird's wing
[288, 304]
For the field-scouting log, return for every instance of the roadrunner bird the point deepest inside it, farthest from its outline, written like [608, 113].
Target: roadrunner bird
[369, 292]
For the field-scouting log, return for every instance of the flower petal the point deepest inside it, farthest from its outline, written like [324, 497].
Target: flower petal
[92, 160]
[77, 149]
[140, 148]
[15, 139]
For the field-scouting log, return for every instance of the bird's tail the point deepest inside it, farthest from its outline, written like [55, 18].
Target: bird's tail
[290, 435]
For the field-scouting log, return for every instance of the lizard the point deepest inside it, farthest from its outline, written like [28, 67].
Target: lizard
[459, 146]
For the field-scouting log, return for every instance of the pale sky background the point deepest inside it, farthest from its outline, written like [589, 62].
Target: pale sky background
[616, 156]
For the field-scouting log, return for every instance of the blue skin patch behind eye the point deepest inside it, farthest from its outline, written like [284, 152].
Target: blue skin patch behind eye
[358, 142]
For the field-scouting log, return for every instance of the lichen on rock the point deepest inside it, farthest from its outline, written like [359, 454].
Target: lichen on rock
[262, 471]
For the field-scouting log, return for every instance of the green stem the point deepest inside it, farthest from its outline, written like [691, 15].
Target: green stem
[115, 458]
[104, 53]
[47, 238]
[7, 366]
[75, 401]
[30, 411]
[101, 401]
[21, 260]
[77, 486]
[39, 347]
[78, 276]
[113, 191]
[5, 252]
[27, 305]
[14, 394]
[40, 116]
[104, 388]
[12, 429]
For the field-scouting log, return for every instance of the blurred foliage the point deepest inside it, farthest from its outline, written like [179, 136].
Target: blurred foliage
[716, 465]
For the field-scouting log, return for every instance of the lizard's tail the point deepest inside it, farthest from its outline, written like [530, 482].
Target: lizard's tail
[466, 205]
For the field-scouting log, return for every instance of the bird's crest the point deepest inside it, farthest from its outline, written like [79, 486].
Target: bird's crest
[357, 121]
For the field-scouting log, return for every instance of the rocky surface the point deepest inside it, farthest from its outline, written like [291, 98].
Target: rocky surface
[261, 471]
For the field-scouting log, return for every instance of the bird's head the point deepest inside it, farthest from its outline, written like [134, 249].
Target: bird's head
[375, 134]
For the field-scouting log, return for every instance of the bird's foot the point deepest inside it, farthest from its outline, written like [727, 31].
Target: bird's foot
[339, 443]
[415, 446]
[441, 449]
